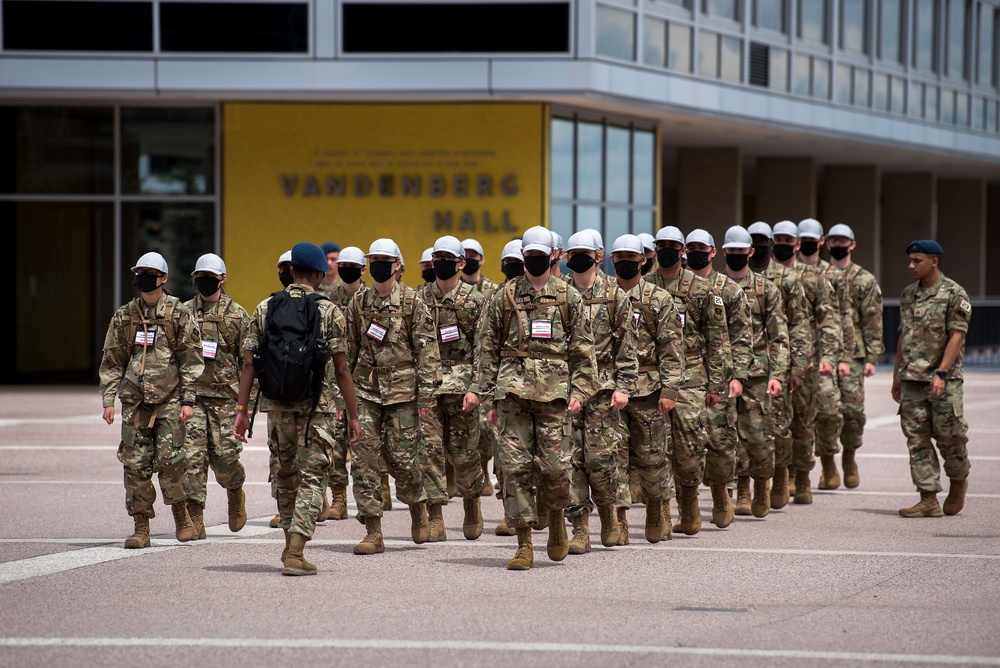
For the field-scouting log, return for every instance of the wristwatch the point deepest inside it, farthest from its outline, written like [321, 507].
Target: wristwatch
[240, 407]
[942, 374]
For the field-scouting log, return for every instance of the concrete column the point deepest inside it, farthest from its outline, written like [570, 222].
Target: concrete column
[993, 235]
[961, 231]
[908, 213]
[709, 190]
[851, 196]
[786, 189]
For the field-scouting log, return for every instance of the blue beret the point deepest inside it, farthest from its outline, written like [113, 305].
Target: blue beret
[928, 246]
[330, 247]
[309, 256]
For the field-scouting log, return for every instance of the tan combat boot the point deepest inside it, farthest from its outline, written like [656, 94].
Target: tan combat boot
[761, 497]
[324, 513]
[182, 523]
[525, 555]
[557, 546]
[689, 511]
[722, 505]
[609, 525]
[238, 509]
[803, 488]
[140, 538]
[386, 493]
[743, 496]
[488, 489]
[779, 488]
[472, 523]
[580, 542]
[504, 529]
[274, 521]
[197, 515]
[926, 507]
[791, 481]
[420, 529]
[372, 543]
[622, 526]
[338, 509]
[295, 561]
[635, 489]
[830, 478]
[654, 520]
[435, 521]
[449, 474]
[851, 477]
[956, 497]
[284, 553]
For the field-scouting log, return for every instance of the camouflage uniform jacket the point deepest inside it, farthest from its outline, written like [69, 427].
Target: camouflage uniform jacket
[332, 328]
[483, 286]
[157, 373]
[821, 310]
[660, 345]
[926, 318]
[770, 328]
[558, 363]
[223, 327]
[738, 320]
[800, 337]
[866, 312]
[615, 333]
[386, 372]
[330, 289]
[838, 280]
[454, 317]
[702, 315]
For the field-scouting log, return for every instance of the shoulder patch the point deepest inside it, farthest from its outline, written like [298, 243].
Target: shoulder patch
[718, 300]
[965, 306]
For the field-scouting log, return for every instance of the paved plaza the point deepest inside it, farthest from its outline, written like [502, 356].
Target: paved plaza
[844, 581]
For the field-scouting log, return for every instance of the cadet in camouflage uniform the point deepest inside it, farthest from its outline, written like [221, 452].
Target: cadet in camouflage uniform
[865, 299]
[768, 368]
[660, 360]
[152, 361]
[303, 432]
[285, 277]
[800, 346]
[537, 364]
[209, 439]
[708, 364]
[829, 418]
[391, 336]
[596, 436]
[332, 281]
[927, 380]
[821, 314]
[427, 265]
[451, 429]
[722, 419]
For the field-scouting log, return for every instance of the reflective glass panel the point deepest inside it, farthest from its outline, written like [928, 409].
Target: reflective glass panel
[978, 114]
[617, 172]
[862, 87]
[168, 151]
[962, 109]
[615, 33]
[843, 84]
[589, 217]
[643, 166]
[778, 73]
[991, 115]
[880, 94]
[987, 28]
[854, 25]
[561, 220]
[732, 59]
[956, 38]
[589, 145]
[930, 102]
[821, 78]
[680, 47]
[812, 20]
[897, 95]
[890, 28]
[770, 14]
[915, 104]
[800, 75]
[615, 225]
[180, 232]
[948, 106]
[924, 22]
[654, 42]
[562, 158]
[722, 8]
[708, 54]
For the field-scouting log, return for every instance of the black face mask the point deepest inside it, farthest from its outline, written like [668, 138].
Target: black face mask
[761, 256]
[737, 261]
[580, 263]
[809, 247]
[513, 270]
[668, 257]
[445, 269]
[471, 267]
[207, 285]
[839, 252]
[349, 274]
[647, 265]
[627, 269]
[536, 265]
[698, 259]
[146, 282]
[285, 276]
[381, 271]
[428, 275]
[784, 252]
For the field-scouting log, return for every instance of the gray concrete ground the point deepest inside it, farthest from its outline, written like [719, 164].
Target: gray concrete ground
[843, 581]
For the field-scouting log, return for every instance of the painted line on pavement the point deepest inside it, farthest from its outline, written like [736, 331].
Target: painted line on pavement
[94, 482]
[476, 645]
[48, 564]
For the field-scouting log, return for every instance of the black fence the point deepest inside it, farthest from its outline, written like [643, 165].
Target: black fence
[982, 344]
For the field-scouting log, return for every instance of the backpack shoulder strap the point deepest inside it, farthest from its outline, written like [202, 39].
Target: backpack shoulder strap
[509, 308]
[563, 301]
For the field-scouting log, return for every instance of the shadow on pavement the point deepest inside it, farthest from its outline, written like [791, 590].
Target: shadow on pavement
[878, 511]
[491, 563]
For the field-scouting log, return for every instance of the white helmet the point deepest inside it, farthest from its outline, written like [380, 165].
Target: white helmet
[700, 237]
[474, 246]
[787, 228]
[152, 261]
[841, 230]
[762, 229]
[285, 257]
[648, 241]
[512, 249]
[451, 245]
[810, 228]
[557, 241]
[669, 233]
[627, 243]
[537, 238]
[598, 239]
[210, 262]
[737, 237]
[384, 247]
[351, 254]
[583, 240]
[427, 255]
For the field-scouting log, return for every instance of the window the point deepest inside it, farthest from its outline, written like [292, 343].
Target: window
[948, 106]
[77, 26]
[778, 74]
[616, 172]
[812, 20]
[679, 43]
[930, 102]
[844, 85]
[759, 64]
[615, 33]
[880, 97]
[731, 61]
[769, 14]
[589, 161]
[168, 151]
[801, 74]
[897, 95]
[561, 147]
[654, 42]
[924, 31]
[821, 78]
[956, 38]
[854, 25]
[991, 115]
[726, 9]
[988, 22]
[862, 87]
[962, 109]
[890, 29]
[915, 103]
[708, 54]
[234, 27]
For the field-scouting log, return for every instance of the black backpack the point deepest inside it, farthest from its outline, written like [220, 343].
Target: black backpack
[290, 362]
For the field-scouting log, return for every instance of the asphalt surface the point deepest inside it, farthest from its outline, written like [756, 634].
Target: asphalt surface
[844, 581]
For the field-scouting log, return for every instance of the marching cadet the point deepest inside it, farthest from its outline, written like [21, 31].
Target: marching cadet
[209, 439]
[556, 262]
[152, 361]
[596, 435]
[427, 265]
[285, 277]
[708, 362]
[331, 281]
[927, 380]
[537, 365]
[511, 260]
[865, 299]
[649, 252]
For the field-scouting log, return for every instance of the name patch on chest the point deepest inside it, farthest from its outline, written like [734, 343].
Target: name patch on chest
[209, 349]
[147, 338]
[541, 329]
[449, 333]
[376, 332]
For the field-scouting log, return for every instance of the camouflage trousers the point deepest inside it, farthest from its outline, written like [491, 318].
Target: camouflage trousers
[723, 442]
[781, 428]
[829, 419]
[451, 434]
[689, 437]
[596, 431]
[852, 406]
[390, 432]
[804, 422]
[303, 466]
[645, 446]
[209, 442]
[152, 441]
[339, 478]
[941, 419]
[753, 409]
[533, 448]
